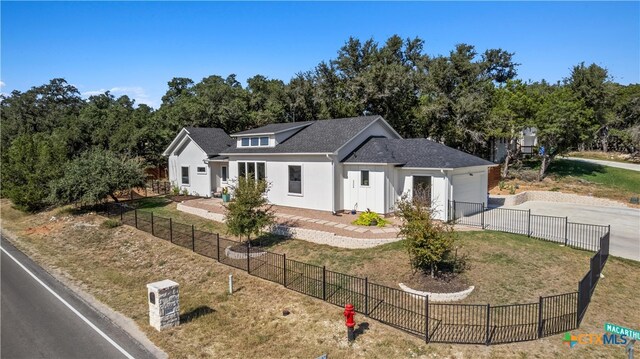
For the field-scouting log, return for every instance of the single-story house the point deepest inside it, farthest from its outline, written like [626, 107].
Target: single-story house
[334, 165]
[190, 165]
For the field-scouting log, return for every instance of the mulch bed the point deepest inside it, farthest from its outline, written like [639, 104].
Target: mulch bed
[439, 284]
[242, 248]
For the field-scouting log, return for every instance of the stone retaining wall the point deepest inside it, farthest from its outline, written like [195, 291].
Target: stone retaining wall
[439, 297]
[548, 196]
[328, 238]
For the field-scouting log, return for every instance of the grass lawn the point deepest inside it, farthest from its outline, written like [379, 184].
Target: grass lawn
[610, 177]
[115, 264]
[578, 177]
[491, 254]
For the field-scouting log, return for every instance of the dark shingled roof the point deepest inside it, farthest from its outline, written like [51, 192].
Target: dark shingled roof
[211, 140]
[324, 136]
[413, 152]
[273, 128]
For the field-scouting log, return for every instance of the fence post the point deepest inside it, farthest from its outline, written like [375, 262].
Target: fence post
[426, 319]
[366, 296]
[135, 213]
[248, 258]
[578, 305]
[454, 210]
[488, 327]
[153, 232]
[218, 246]
[121, 212]
[170, 230]
[284, 269]
[324, 283]
[482, 216]
[566, 230]
[193, 238]
[529, 224]
[540, 324]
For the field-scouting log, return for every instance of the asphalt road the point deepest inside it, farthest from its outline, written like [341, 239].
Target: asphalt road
[35, 323]
[625, 222]
[626, 166]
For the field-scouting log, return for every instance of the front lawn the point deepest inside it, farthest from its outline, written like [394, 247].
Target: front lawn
[115, 264]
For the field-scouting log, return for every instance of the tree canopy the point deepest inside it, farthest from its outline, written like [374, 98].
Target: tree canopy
[465, 99]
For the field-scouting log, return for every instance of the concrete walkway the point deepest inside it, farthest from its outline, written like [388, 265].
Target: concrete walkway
[624, 165]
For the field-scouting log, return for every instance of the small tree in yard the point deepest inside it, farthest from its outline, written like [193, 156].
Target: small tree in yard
[250, 210]
[430, 243]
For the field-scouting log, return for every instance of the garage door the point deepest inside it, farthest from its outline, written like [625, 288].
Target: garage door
[468, 188]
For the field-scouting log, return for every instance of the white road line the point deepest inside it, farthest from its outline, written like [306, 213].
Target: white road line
[102, 334]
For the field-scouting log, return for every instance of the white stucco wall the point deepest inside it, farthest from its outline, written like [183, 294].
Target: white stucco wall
[189, 154]
[316, 179]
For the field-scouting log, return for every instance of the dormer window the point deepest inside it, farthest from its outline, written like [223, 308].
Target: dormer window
[262, 141]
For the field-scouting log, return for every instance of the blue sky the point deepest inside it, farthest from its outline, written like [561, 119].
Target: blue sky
[135, 48]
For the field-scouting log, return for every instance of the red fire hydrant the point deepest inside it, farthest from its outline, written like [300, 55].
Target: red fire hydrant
[349, 313]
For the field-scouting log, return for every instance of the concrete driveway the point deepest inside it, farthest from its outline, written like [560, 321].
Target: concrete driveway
[624, 221]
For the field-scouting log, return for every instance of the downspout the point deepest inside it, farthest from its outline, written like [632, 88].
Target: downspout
[448, 193]
[333, 184]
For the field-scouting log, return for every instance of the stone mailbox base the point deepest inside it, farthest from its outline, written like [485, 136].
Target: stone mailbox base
[164, 304]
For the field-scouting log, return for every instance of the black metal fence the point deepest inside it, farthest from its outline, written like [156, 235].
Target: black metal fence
[549, 228]
[435, 322]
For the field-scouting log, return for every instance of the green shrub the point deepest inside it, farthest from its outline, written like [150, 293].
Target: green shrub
[369, 218]
[185, 192]
[512, 190]
[111, 223]
[175, 190]
[501, 185]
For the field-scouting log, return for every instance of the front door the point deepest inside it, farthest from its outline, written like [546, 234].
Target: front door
[353, 182]
[422, 188]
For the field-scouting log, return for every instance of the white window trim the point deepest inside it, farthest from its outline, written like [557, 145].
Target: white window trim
[255, 175]
[188, 175]
[201, 173]
[221, 177]
[256, 137]
[301, 194]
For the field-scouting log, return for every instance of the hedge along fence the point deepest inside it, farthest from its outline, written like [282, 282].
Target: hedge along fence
[435, 322]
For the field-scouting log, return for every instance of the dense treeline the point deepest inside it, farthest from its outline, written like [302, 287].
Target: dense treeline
[464, 99]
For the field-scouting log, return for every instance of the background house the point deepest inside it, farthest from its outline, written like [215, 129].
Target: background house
[527, 142]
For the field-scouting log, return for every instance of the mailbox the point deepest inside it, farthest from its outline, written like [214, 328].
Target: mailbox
[164, 304]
